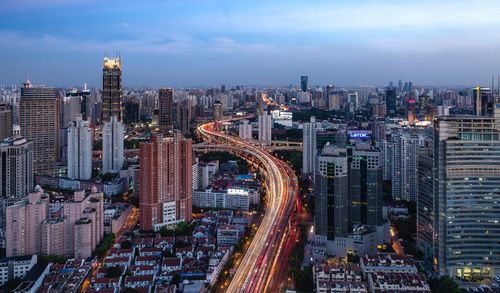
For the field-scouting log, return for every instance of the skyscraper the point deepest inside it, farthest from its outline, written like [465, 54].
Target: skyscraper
[5, 120]
[331, 194]
[166, 109]
[165, 181]
[112, 146]
[79, 149]
[16, 166]
[390, 100]
[483, 101]
[39, 121]
[303, 83]
[466, 198]
[218, 112]
[366, 197]
[112, 95]
[404, 164]
[309, 147]
[265, 125]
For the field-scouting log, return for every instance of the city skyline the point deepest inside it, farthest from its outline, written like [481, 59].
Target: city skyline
[185, 44]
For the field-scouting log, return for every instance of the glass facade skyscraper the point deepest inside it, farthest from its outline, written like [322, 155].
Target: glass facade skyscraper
[467, 195]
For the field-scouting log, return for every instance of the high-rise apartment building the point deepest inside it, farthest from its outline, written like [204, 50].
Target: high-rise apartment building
[466, 205]
[16, 166]
[165, 181]
[113, 133]
[5, 120]
[166, 109]
[265, 125]
[309, 147]
[74, 230]
[245, 130]
[218, 111]
[39, 121]
[112, 95]
[404, 164]
[79, 149]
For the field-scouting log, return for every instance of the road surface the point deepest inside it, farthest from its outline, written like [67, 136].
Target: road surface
[263, 267]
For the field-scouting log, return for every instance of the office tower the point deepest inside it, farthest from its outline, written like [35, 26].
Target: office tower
[425, 199]
[132, 112]
[39, 122]
[245, 130]
[70, 107]
[5, 120]
[483, 101]
[404, 164]
[390, 100]
[73, 228]
[366, 196]
[466, 197]
[331, 194]
[303, 83]
[112, 95]
[16, 166]
[309, 147]
[79, 149]
[112, 146]
[385, 147]
[166, 109]
[218, 112]
[165, 181]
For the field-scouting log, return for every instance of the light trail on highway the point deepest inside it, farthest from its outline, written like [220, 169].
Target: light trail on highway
[261, 268]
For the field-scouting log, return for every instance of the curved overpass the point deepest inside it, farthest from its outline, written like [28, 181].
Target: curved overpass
[264, 263]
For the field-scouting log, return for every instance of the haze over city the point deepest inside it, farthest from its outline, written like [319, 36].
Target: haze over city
[204, 43]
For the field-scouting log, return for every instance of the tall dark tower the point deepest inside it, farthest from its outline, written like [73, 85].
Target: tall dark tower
[303, 83]
[112, 95]
[166, 108]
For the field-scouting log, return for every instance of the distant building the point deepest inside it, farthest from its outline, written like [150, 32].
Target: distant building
[166, 109]
[265, 126]
[245, 130]
[309, 147]
[5, 120]
[132, 112]
[165, 181]
[16, 161]
[218, 111]
[391, 100]
[112, 95]
[483, 101]
[303, 83]
[112, 146]
[80, 149]
[39, 122]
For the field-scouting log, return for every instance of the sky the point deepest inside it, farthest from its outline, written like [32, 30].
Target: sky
[185, 43]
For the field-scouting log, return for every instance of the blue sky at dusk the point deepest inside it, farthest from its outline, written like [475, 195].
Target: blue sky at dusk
[203, 43]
